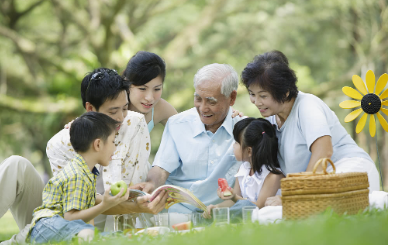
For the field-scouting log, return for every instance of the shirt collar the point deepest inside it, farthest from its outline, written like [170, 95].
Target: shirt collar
[246, 171]
[80, 162]
[199, 127]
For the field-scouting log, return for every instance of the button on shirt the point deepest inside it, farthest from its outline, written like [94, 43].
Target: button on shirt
[250, 186]
[196, 158]
[72, 188]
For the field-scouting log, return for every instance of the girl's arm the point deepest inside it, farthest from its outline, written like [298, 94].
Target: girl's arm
[229, 201]
[321, 148]
[269, 188]
[165, 111]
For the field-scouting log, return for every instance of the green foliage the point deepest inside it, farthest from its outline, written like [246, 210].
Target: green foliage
[46, 47]
[369, 227]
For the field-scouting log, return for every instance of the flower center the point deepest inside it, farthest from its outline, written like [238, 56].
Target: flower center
[371, 103]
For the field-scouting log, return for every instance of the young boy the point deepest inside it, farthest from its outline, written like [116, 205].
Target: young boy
[69, 197]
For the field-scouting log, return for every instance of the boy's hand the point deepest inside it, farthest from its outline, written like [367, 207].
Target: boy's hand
[207, 213]
[154, 207]
[111, 201]
[220, 194]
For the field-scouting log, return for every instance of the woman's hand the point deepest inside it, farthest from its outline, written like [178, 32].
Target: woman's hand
[236, 113]
[207, 213]
[111, 201]
[273, 201]
[68, 125]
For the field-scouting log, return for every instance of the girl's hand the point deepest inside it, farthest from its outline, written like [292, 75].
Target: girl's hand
[207, 213]
[236, 113]
[111, 201]
[220, 194]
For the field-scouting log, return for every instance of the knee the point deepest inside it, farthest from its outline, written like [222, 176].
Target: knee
[86, 235]
[18, 162]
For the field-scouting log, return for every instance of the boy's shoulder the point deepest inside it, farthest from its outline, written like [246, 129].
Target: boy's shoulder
[73, 170]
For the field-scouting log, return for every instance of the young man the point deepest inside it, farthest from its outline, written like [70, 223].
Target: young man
[69, 198]
[104, 90]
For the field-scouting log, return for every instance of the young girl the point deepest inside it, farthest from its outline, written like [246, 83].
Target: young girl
[259, 176]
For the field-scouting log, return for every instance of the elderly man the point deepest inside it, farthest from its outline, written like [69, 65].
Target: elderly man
[196, 147]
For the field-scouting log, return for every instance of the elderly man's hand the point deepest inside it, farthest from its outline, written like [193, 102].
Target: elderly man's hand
[154, 207]
[273, 201]
[147, 187]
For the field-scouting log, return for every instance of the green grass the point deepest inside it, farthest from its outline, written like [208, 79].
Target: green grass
[8, 226]
[370, 227]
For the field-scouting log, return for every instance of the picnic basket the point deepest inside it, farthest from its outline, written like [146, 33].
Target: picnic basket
[308, 193]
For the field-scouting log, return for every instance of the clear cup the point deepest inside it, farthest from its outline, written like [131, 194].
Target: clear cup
[197, 220]
[221, 216]
[161, 219]
[176, 218]
[127, 221]
[248, 212]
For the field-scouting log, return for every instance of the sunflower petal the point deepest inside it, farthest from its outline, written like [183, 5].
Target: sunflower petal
[352, 93]
[382, 81]
[384, 111]
[382, 121]
[385, 103]
[372, 126]
[383, 95]
[370, 80]
[351, 116]
[349, 104]
[359, 84]
[361, 123]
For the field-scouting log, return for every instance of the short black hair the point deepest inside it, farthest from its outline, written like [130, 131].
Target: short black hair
[271, 72]
[100, 85]
[260, 135]
[144, 67]
[89, 127]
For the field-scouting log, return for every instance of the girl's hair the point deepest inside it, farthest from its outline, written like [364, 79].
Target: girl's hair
[260, 135]
[144, 67]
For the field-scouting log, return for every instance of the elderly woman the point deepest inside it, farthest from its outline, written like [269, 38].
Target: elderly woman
[306, 128]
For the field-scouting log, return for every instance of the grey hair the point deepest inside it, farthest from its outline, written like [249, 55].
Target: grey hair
[218, 72]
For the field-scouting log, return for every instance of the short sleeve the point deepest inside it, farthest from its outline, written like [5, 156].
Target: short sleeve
[313, 121]
[75, 194]
[60, 151]
[167, 156]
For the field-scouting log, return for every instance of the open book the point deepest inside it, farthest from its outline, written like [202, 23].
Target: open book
[176, 194]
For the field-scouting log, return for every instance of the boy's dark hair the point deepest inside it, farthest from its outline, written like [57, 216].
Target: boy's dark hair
[100, 85]
[260, 135]
[89, 127]
[144, 67]
[271, 72]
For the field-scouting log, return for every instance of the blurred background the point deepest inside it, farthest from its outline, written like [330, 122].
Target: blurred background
[47, 46]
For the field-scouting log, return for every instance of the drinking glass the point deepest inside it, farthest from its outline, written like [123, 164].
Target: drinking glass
[161, 219]
[221, 216]
[248, 212]
[197, 220]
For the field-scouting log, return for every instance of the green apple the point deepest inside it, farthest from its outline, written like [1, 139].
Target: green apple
[116, 187]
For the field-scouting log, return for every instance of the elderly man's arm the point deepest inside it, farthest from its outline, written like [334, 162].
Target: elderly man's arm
[156, 177]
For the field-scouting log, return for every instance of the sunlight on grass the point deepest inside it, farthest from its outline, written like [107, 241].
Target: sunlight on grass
[8, 226]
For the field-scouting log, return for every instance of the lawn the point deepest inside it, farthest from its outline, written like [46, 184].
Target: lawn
[8, 226]
[370, 227]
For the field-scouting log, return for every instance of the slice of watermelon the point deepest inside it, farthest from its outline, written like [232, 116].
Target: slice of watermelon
[223, 184]
[182, 226]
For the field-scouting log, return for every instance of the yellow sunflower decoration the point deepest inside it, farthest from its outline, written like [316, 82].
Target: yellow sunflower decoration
[370, 102]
